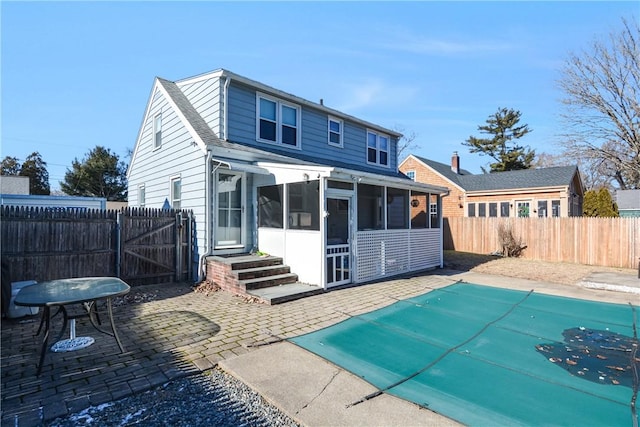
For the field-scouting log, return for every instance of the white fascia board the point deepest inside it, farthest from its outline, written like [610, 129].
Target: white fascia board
[297, 100]
[183, 119]
[356, 176]
[241, 167]
[376, 179]
[517, 191]
[433, 170]
[144, 119]
[200, 77]
[324, 170]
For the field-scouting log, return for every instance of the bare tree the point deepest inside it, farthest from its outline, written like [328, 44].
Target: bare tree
[592, 171]
[602, 110]
[406, 143]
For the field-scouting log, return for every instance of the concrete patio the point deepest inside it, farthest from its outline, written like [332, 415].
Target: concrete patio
[170, 331]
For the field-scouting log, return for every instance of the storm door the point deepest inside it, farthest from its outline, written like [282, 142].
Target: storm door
[338, 260]
[229, 230]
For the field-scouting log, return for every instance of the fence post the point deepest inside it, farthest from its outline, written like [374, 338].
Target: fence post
[178, 275]
[190, 248]
[118, 243]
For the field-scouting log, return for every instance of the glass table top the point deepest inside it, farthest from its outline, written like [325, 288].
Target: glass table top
[69, 291]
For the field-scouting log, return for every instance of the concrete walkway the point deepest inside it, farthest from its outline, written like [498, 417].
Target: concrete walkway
[170, 331]
[324, 394]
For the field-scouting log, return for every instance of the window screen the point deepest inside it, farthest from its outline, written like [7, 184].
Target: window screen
[270, 206]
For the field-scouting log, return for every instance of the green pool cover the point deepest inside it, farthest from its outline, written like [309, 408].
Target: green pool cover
[483, 355]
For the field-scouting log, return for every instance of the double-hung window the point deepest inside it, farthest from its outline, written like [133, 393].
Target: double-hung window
[157, 131]
[377, 148]
[141, 196]
[277, 122]
[176, 196]
[335, 132]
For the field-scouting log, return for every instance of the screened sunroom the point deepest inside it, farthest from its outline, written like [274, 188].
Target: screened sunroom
[348, 227]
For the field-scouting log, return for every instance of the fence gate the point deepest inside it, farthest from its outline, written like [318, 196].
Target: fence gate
[155, 246]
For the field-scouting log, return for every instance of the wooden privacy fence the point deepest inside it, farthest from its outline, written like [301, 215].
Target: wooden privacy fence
[141, 246]
[610, 242]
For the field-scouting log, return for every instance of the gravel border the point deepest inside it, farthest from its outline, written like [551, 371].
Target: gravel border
[213, 398]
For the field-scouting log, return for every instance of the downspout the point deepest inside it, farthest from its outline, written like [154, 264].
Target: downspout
[441, 221]
[225, 121]
[202, 270]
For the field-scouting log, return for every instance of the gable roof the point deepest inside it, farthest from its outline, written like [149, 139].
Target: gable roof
[445, 170]
[206, 138]
[222, 72]
[556, 176]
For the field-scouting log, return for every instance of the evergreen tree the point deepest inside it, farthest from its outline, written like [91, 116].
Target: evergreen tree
[599, 203]
[36, 169]
[590, 203]
[10, 166]
[100, 174]
[606, 206]
[33, 167]
[502, 147]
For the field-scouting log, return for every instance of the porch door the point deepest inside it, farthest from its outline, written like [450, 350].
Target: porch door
[338, 261]
[230, 205]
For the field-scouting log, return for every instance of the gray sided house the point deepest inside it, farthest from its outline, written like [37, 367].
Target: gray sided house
[264, 170]
[628, 202]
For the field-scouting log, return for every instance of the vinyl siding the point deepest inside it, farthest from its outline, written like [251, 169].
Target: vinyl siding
[206, 98]
[177, 156]
[314, 138]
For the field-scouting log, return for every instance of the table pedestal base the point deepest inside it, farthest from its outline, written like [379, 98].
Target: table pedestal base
[73, 343]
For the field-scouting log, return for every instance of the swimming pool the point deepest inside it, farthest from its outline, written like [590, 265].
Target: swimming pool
[483, 355]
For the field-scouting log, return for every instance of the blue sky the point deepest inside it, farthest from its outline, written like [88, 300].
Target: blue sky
[78, 74]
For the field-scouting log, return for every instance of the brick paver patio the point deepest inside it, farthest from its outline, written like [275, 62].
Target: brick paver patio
[169, 331]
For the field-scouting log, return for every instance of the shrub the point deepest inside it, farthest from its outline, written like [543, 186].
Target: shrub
[511, 246]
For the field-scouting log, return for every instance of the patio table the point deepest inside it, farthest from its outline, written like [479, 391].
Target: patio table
[62, 292]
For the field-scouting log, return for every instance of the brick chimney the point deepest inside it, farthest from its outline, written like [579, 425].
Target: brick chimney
[455, 163]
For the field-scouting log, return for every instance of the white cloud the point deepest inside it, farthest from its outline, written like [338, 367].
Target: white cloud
[372, 93]
[419, 44]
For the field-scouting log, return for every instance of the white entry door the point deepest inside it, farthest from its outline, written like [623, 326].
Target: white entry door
[230, 210]
[338, 261]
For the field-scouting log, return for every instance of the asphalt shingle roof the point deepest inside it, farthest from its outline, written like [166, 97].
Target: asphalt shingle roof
[528, 178]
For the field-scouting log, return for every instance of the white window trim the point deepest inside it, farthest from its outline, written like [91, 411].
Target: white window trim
[142, 195]
[329, 131]
[279, 104]
[171, 196]
[519, 202]
[378, 150]
[412, 171]
[156, 118]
